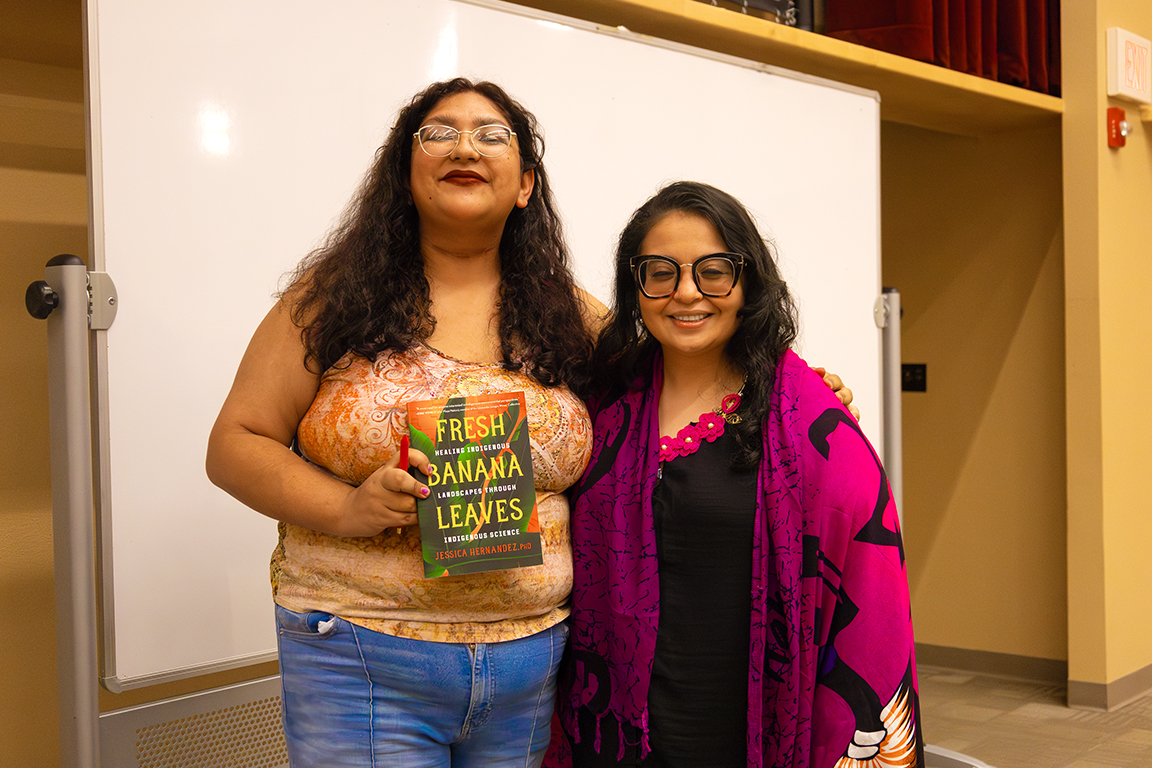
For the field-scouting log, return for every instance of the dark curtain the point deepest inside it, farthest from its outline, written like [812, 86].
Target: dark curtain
[903, 27]
[1013, 41]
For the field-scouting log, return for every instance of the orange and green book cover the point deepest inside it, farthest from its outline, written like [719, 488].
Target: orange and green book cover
[481, 512]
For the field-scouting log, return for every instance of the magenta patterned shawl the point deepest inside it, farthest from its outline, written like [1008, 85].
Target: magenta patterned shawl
[832, 672]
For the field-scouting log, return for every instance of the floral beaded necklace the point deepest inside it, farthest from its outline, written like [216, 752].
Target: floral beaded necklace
[708, 428]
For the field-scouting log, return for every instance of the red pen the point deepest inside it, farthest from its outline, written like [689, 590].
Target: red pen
[403, 465]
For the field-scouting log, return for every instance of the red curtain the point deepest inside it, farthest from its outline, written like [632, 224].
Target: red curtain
[903, 27]
[1014, 41]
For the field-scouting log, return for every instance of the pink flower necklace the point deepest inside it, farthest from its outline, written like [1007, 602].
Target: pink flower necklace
[708, 427]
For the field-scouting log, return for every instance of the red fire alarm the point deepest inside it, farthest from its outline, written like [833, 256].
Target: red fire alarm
[1117, 127]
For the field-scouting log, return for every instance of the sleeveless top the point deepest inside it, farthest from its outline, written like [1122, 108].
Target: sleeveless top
[352, 428]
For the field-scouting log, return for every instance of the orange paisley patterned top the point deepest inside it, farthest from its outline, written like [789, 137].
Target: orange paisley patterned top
[352, 428]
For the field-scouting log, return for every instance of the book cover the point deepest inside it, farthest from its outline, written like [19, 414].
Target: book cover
[481, 512]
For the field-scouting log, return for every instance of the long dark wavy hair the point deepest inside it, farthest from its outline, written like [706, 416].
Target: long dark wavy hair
[768, 325]
[364, 290]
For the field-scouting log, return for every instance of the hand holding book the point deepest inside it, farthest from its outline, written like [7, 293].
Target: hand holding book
[387, 498]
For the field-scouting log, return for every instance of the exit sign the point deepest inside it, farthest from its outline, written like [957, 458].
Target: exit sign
[1129, 66]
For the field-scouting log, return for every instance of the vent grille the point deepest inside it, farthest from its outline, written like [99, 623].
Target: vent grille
[243, 736]
[233, 727]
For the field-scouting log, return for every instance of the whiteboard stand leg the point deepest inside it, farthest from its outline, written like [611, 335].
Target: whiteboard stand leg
[73, 510]
[888, 315]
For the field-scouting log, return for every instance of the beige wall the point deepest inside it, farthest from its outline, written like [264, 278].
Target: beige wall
[42, 214]
[1125, 280]
[28, 714]
[972, 239]
[1108, 199]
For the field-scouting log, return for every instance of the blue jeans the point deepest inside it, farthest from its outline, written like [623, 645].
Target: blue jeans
[354, 697]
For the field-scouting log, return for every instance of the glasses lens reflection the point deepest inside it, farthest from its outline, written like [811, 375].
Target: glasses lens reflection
[488, 140]
[659, 276]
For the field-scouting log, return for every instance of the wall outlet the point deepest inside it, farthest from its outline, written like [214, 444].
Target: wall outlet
[914, 377]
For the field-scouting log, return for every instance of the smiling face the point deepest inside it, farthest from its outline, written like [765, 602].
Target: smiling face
[466, 188]
[691, 327]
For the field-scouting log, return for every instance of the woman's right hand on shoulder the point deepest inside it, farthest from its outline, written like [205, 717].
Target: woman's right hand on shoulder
[595, 313]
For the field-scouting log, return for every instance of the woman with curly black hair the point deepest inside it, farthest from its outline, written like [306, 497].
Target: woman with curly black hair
[739, 595]
[448, 275]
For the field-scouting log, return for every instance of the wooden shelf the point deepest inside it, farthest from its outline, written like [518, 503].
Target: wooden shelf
[911, 92]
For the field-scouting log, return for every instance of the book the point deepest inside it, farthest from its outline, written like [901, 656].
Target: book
[793, 13]
[481, 513]
[784, 11]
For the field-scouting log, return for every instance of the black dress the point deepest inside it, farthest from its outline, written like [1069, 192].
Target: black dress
[703, 513]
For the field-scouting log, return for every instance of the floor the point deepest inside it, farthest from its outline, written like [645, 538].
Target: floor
[1016, 724]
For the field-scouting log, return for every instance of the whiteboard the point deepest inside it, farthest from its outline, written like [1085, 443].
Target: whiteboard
[228, 135]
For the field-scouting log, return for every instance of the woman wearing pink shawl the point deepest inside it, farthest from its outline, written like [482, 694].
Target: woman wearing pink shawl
[740, 595]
